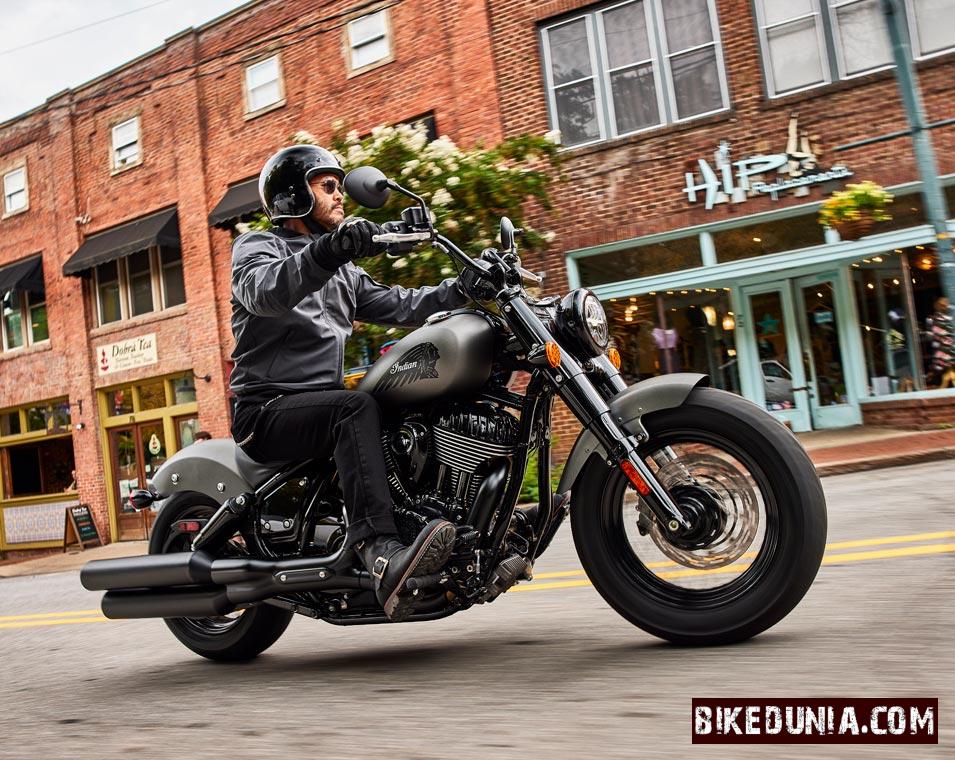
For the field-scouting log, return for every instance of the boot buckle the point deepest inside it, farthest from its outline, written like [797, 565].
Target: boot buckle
[379, 567]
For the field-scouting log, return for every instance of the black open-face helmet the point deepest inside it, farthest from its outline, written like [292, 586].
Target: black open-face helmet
[283, 181]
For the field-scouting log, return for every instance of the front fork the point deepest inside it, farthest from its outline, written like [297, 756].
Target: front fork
[578, 392]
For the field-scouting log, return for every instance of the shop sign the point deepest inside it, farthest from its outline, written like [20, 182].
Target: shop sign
[126, 354]
[796, 169]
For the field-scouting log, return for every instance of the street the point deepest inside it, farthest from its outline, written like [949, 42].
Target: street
[546, 671]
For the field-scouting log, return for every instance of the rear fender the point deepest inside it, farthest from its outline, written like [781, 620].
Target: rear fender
[627, 409]
[208, 467]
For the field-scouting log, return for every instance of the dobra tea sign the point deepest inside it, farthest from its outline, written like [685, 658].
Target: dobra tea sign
[126, 354]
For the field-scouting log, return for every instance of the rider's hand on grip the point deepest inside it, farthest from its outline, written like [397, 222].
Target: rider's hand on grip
[478, 287]
[352, 239]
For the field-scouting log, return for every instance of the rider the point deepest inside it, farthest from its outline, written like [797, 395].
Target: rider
[295, 293]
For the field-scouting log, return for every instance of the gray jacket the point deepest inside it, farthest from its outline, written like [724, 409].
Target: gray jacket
[291, 317]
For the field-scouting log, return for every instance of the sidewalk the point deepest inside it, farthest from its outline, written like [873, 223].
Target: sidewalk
[834, 452]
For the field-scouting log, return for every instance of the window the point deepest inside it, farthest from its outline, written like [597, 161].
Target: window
[23, 316]
[143, 282]
[640, 261]
[805, 46]
[368, 40]
[932, 25]
[631, 66]
[15, 191]
[263, 85]
[126, 144]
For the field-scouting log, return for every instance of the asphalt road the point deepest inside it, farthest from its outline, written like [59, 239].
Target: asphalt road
[548, 672]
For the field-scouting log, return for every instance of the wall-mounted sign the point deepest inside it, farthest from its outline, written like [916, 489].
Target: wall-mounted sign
[126, 354]
[735, 181]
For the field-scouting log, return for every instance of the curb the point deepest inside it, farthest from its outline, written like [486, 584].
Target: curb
[889, 460]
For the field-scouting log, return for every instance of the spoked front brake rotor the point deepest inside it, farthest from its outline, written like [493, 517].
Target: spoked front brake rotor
[719, 500]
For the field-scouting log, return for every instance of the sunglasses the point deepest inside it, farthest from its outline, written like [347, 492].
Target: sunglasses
[331, 186]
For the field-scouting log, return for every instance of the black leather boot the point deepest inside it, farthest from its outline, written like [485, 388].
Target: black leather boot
[392, 564]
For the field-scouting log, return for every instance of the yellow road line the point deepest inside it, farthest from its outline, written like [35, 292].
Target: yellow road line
[831, 559]
[49, 615]
[837, 545]
[56, 621]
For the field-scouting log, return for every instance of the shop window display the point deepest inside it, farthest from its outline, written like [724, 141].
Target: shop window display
[676, 331]
[35, 468]
[907, 333]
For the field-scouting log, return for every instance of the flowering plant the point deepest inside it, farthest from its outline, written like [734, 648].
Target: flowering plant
[468, 191]
[858, 202]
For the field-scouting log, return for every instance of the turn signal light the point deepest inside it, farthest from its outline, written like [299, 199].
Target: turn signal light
[614, 356]
[634, 477]
[553, 354]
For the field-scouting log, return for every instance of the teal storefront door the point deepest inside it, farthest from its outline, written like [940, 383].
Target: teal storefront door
[795, 347]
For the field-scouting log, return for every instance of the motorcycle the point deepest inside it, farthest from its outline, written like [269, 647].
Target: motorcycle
[696, 515]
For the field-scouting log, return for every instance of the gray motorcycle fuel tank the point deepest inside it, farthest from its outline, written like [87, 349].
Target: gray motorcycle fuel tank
[450, 356]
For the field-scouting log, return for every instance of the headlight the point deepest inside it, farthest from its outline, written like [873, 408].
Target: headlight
[582, 322]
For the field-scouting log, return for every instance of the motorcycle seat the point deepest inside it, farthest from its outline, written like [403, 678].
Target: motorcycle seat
[256, 473]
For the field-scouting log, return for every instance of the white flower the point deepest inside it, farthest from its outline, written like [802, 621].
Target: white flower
[553, 136]
[352, 136]
[446, 271]
[301, 137]
[356, 155]
[450, 224]
[338, 125]
[399, 263]
[549, 236]
[453, 181]
[441, 197]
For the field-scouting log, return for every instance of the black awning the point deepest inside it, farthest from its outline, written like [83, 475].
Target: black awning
[23, 275]
[240, 200]
[161, 228]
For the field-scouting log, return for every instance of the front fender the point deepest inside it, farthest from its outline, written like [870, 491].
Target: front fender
[208, 467]
[627, 408]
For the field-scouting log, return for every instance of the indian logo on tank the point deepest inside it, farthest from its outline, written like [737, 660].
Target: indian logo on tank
[417, 364]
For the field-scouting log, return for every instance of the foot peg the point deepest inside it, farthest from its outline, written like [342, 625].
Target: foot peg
[506, 575]
[414, 585]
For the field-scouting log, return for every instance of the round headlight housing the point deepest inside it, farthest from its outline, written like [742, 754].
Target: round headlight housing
[582, 323]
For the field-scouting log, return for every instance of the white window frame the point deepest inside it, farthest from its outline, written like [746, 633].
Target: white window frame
[248, 88]
[660, 61]
[157, 282]
[115, 148]
[914, 36]
[822, 48]
[833, 6]
[353, 45]
[7, 211]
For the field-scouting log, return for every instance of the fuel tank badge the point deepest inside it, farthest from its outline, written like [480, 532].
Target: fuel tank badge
[417, 364]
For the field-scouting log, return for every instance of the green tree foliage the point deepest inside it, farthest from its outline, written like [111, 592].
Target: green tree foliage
[468, 191]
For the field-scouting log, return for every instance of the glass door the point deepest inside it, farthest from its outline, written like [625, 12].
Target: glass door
[137, 451]
[774, 369]
[831, 400]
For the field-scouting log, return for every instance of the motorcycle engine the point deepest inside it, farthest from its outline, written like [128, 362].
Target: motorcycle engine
[438, 464]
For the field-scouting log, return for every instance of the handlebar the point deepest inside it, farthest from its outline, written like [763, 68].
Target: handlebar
[391, 238]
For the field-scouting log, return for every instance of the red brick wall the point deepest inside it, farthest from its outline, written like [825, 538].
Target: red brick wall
[911, 414]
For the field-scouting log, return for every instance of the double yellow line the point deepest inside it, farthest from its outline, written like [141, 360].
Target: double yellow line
[835, 555]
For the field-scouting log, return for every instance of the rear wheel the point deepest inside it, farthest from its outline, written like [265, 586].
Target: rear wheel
[240, 635]
[756, 503]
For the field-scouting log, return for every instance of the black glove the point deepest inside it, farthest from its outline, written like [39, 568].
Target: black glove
[352, 239]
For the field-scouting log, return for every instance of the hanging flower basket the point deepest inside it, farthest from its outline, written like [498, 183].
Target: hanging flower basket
[853, 212]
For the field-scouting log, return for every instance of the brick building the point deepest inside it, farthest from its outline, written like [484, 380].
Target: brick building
[116, 337]
[700, 137]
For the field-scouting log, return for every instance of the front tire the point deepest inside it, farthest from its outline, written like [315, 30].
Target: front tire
[241, 636]
[769, 505]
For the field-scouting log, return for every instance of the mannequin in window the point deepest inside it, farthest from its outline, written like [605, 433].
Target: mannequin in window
[942, 330]
[895, 337]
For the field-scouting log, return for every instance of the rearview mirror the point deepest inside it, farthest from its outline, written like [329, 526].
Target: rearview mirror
[368, 186]
[507, 235]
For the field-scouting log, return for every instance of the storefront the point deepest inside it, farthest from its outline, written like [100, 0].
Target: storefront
[776, 308]
[37, 478]
[143, 424]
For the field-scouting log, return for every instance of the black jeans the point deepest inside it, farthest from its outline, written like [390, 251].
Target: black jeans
[343, 424]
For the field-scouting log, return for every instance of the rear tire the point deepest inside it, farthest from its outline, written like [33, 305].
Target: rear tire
[792, 539]
[234, 639]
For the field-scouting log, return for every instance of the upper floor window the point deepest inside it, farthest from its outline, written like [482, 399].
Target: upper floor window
[23, 306]
[807, 43]
[368, 40]
[933, 26]
[263, 85]
[145, 281]
[15, 191]
[631, 66]
[126, 151]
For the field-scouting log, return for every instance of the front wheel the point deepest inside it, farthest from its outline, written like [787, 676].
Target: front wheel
[759, 517]
[241, 635]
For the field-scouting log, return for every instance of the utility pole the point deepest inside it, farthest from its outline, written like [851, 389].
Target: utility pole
[935, 205]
